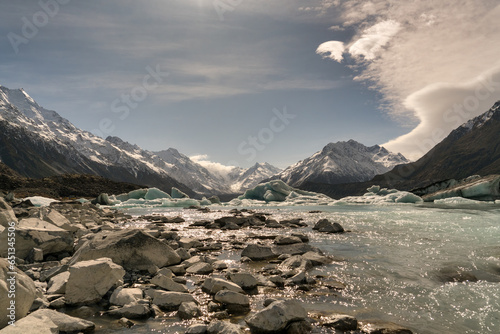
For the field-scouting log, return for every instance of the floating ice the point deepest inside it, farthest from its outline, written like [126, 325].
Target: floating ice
[279, 191]
[376, 195]
[176, 193]
[485, 188]
[462, 201]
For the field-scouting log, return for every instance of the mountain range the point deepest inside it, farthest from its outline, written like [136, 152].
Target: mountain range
[37, 142]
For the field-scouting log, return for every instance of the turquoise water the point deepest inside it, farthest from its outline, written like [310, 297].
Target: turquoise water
[394, 260]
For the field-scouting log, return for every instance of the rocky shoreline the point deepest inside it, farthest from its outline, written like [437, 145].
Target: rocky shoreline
[79, 264]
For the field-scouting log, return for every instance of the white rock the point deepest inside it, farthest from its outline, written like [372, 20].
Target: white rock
[36, 233]
[25, 293]
[170, 301]
[123, 296]
[132, 249]
[64, 322]
[90, 280]
[57, 284]
[32, 325]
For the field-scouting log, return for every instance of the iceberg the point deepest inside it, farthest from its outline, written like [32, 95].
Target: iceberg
[279, 191]
[477, 188]
[377, 195]
[155, 197]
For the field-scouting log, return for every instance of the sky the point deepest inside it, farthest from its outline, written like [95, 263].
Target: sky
[235, 82]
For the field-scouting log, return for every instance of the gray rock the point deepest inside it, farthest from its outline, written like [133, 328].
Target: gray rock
[324, 225]
[132, 311]
[316, 259]
[57, 284]
[188, 310]
[276, 317]
[197, 329]
[132, 249]
[167, 283]
[244, 280]
[7, 215]
[258, 253]
[36, 233]
[299, 327]
[64, 322]
[200, 268]
[32, 325]
[340, 322]
[188, 243]
[170, 301]
[287, 240]
[214, 285]
[25, 292]
[219, 265]
[382, 327]
[126, 322]
[223, 327]
[296, 262]
[234, 302]
[295, 249]
[90, 280]
[123, 296]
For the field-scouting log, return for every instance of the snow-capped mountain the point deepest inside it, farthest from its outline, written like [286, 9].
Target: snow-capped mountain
[37, 142]
[229, 180]
[342, 162]
[252, 176]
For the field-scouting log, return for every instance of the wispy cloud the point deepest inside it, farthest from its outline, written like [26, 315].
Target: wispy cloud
[332, 49]
[424, 57]
[213, 167]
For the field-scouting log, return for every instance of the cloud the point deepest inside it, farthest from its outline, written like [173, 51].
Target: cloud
[374, 38]
[423, 57]
[442, 107]
[332, 50]
[213, 167]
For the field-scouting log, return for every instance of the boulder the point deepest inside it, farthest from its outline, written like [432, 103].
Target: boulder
[214, 285]
[7, 215]
[316, 259]
[57, 284]
[234, 302]
[57, 219]
[340, 322]
[382, 327]
[258, 253]
[244, 280]
[200, 268]
[64, 322]
[197, 329]
[296, 262]
[90, 280]
[167, 283]
[276, 317]
[188, 310]
[25, 293]
[132, 249]
[133, 311]
[223, 327]
[123, 296]
[287, 240]
[170, 301]
[294, 249]
[32, 325]
[36, 233]
[324, 225]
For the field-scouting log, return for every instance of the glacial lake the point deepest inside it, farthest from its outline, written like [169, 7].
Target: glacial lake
[392, 263]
